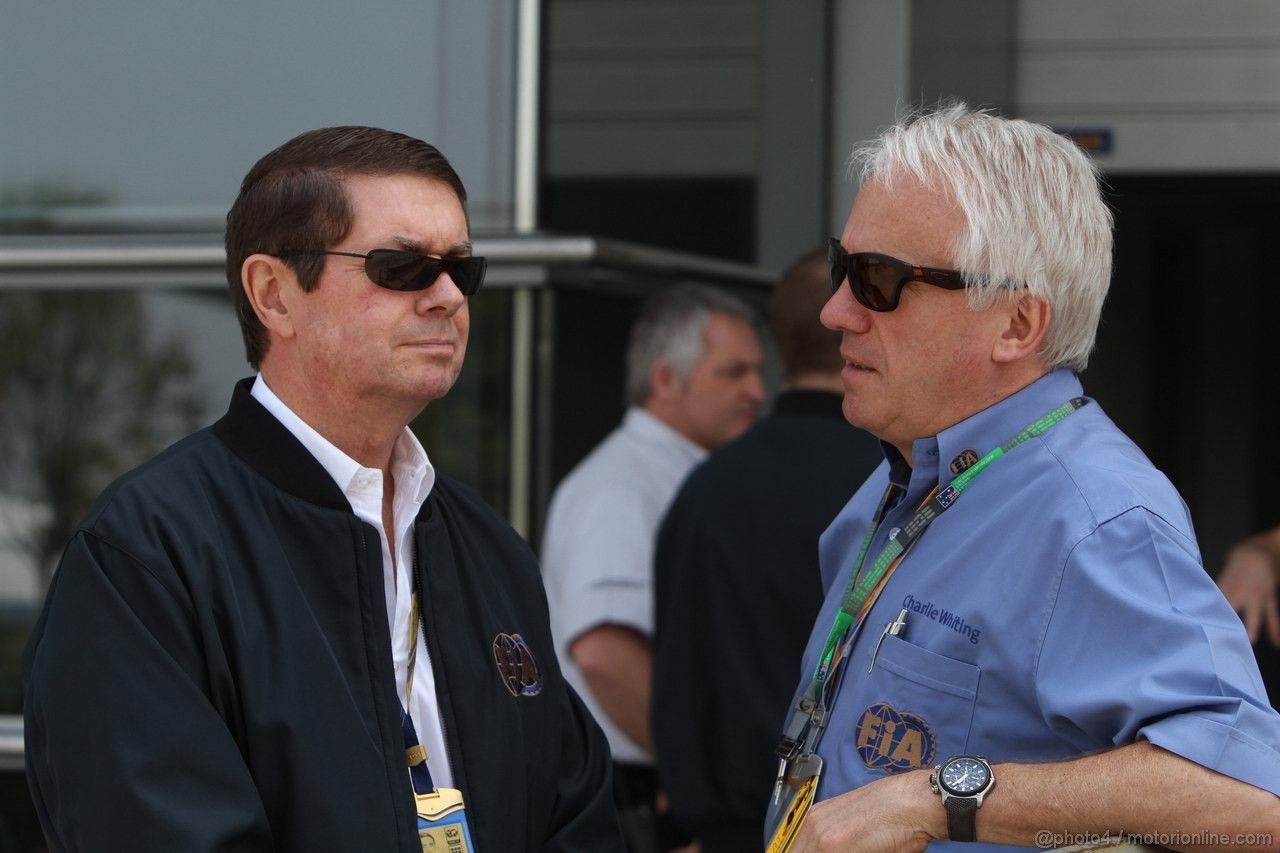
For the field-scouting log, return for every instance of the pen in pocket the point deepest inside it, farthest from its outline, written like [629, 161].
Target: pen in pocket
[893, 629]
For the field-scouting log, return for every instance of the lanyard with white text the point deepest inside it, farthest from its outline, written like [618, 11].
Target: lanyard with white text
[809, 715]
[799, 765]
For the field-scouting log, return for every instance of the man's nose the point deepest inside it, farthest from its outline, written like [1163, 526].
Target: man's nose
[443, 295]
[843, 313]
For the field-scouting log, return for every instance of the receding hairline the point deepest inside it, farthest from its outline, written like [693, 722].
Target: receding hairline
[401, 240]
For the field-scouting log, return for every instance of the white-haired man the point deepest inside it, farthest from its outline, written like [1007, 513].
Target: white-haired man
[693, 384]
[1019, 643]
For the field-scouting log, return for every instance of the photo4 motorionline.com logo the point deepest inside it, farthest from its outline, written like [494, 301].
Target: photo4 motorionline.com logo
[1046, 839]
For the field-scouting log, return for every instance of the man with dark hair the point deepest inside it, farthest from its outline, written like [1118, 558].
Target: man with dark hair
[287, 632]
[693, 381]
[293, 205]
[737, 580]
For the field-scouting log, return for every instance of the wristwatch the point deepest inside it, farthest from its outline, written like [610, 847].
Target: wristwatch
[962, 782]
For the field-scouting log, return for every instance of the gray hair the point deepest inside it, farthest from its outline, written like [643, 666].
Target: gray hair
[672, 328]
[1033, 209]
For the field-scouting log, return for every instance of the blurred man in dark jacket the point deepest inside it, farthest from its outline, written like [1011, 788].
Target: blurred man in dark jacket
[737, 576]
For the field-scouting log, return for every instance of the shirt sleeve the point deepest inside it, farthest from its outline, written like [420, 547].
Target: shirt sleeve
[1141, 645]
[124, 750]
[599, 561]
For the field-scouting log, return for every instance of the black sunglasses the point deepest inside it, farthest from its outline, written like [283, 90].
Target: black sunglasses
[877, 280]
[396, 269]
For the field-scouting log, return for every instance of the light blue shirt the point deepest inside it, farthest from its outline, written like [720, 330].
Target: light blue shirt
[1059, 607]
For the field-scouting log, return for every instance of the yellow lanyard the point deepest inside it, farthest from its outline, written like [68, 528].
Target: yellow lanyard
[415, 753]
[413, 649]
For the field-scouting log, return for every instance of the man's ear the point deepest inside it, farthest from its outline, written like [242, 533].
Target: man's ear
[1027, 320]
[664, 384]
[269, 284]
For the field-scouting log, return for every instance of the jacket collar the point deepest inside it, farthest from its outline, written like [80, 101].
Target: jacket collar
[260, 441]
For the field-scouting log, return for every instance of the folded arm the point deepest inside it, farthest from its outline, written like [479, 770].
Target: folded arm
[1139, 790]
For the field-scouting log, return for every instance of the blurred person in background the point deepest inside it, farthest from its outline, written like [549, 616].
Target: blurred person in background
[287, 632]
[1250, 580]
[1019, 638]
[693, 383]
[737, 580]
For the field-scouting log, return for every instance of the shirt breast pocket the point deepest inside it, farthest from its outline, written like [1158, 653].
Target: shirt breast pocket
[922, 708]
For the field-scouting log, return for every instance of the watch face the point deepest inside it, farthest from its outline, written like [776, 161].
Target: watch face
[965, 776]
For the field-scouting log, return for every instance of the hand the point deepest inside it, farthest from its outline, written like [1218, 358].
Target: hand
[1249, 583]
[662, 805]
[897, 814]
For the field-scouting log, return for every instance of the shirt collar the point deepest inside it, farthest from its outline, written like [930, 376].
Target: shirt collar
[412, 467]
[942, 457]
[413, 470]
[642, 424]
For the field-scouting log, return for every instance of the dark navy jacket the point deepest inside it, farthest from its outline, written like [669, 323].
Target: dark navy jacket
[737, 589]
[212, 668]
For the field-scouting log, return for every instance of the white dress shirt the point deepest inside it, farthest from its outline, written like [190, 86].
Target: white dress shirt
[597, 551]
[363, 487]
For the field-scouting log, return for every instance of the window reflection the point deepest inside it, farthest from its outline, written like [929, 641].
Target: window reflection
[89, 391]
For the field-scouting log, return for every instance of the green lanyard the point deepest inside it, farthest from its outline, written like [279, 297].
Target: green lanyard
[855, 604]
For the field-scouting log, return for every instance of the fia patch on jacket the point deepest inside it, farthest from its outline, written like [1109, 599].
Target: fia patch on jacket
[965, 460]
[893, 740]
[517, 667]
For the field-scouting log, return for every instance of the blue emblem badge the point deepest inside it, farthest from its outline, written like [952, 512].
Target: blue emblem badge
[892, 740]
[948, 496]
[516, 665]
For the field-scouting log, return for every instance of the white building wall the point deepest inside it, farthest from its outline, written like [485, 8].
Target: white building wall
[870, 81]
[1182, 85]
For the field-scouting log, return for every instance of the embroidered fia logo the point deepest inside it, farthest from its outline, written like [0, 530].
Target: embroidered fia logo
[893, 740]
[964, 461]
[517, 667]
